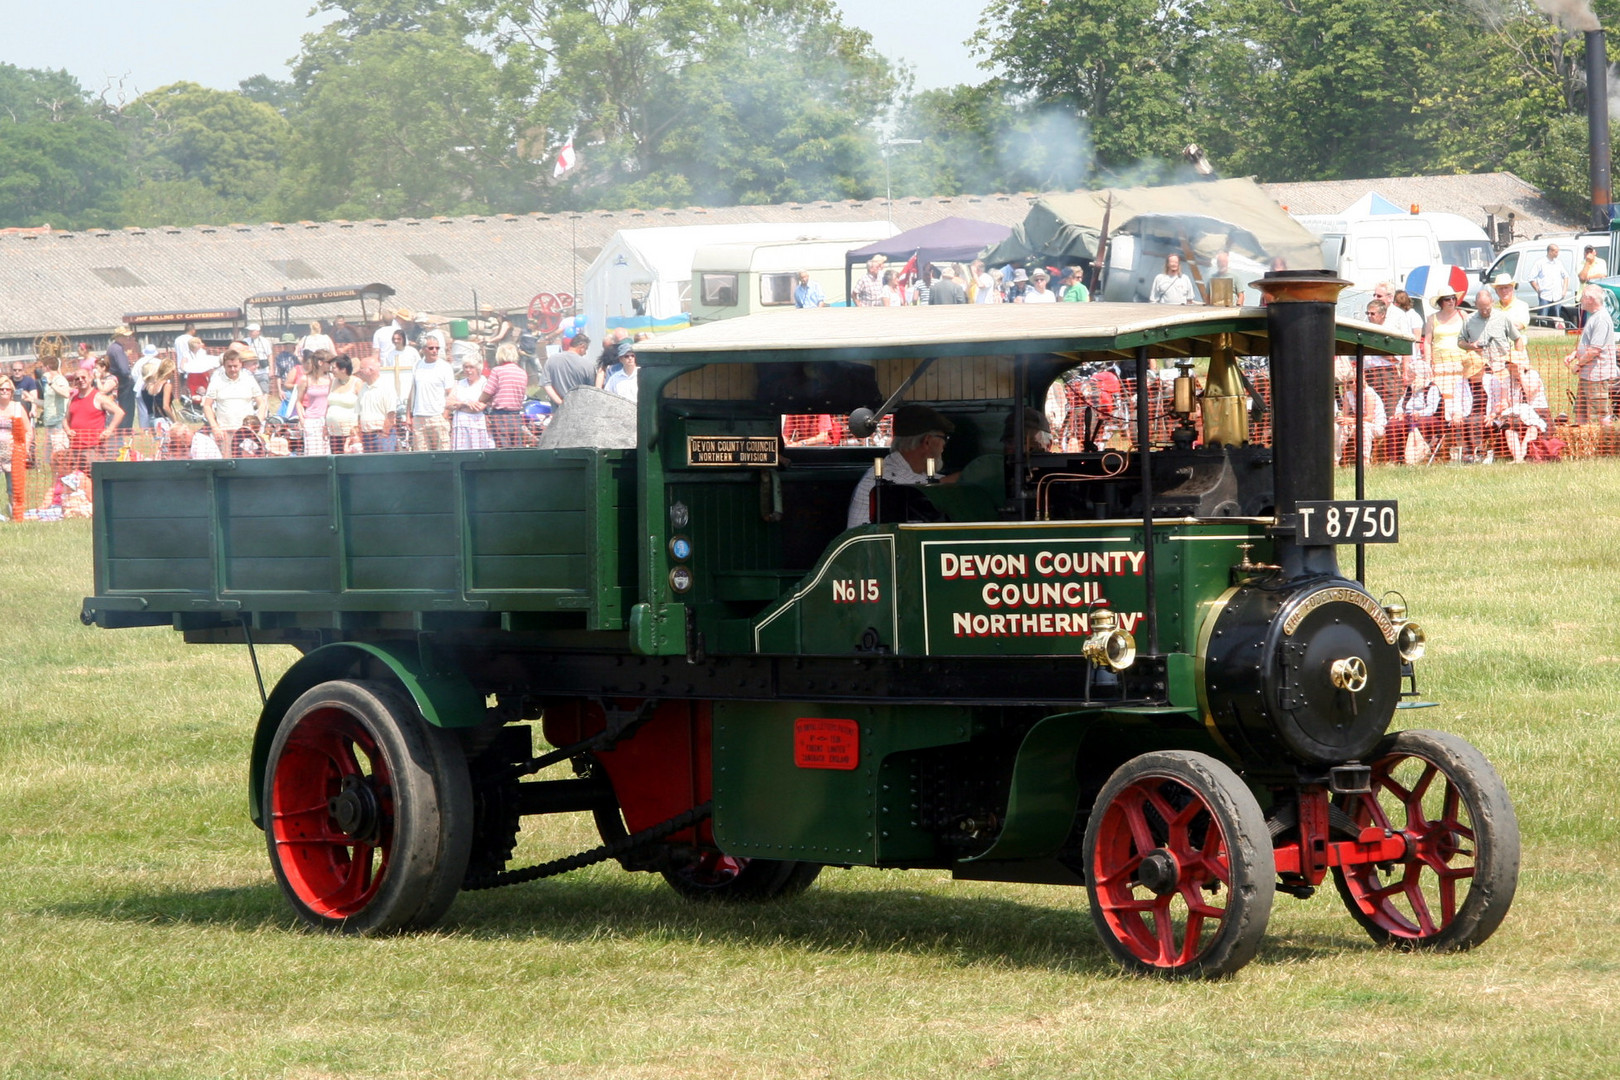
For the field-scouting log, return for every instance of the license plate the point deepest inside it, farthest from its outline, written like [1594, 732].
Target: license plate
[1348, 521]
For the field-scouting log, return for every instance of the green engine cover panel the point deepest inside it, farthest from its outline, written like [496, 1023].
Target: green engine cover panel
[810, 782]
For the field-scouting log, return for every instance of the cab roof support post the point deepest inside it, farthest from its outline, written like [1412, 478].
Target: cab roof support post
[1144, 462]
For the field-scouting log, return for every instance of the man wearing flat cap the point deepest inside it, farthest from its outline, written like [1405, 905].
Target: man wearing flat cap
[1516, 310]
[920, 434]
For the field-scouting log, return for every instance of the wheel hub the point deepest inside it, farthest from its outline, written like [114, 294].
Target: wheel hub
[354, 808]
[1158, 872]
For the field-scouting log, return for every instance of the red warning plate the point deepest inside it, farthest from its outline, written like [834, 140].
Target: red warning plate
[820, 743]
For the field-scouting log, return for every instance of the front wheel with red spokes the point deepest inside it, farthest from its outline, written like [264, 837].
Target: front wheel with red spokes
[369, 810]
[1179, 866]
[1456, 882]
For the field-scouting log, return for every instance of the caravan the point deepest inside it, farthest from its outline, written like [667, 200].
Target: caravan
[729, 280]
[642, 278]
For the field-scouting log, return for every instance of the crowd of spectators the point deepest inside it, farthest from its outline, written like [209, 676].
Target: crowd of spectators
[1468, 393]
[411, 386]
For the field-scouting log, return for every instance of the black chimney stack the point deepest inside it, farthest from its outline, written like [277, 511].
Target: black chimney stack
[1597, 124]
[1300, 320]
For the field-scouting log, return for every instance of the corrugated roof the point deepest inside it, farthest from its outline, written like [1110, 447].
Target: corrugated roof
[1467, 196]
[80, 283]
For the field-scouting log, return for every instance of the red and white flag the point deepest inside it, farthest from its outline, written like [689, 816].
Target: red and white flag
[908, 271]
[565, 159]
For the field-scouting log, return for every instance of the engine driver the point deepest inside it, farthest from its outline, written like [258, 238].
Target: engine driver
[920, 435]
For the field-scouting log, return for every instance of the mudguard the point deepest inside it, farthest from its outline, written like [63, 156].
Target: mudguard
[446, 701]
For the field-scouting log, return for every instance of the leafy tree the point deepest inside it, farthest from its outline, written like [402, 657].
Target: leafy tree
[189, 141]
[397, 122]
[714, 101]
[1318, 89]
[1119, 66]
[60, 154]
[280, 94]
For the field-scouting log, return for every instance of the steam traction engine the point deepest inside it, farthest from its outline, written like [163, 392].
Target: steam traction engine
[1140, 671]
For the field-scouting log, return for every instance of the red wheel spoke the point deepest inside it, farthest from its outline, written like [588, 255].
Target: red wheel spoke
[317, 808]
[1191, 935]
[1450, 803]
[1448, 898]
[1164, 929]
[1193, 897]
[1120, 873]
[1218, 868]
[1141, 835]
[1393, 786]
[1420, 905]
[1421, 788]
[1134, 905]
[1156, 799]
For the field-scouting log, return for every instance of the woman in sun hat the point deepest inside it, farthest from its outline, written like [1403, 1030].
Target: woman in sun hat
[1440, 343]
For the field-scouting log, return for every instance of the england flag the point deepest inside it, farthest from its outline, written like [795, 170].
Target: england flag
[565, 160]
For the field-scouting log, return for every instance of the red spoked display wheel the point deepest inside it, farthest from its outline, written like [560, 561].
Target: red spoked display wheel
[1456, 883]
[726, 878]
[1179, 866]
[369, 810]
[546, 312]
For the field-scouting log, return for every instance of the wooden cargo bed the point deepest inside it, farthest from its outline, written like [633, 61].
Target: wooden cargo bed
[520, 531]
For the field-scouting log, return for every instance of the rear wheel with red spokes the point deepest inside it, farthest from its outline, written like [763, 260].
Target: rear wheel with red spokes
[726, 878]
[1456, 883]
[369, 821]
[1179, 866]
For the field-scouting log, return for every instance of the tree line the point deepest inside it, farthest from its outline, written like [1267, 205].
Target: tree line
[423, 107]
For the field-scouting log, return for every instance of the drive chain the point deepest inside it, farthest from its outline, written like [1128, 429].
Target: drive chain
[612, 850]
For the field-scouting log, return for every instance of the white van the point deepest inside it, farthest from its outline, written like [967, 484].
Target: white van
[1462, 242]
[1385, 247]
[729, 280]
[1520, 260]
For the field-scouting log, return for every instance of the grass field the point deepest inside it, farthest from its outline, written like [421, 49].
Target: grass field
[141, 933]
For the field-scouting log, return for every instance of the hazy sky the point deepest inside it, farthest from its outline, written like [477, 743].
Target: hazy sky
[221, 42]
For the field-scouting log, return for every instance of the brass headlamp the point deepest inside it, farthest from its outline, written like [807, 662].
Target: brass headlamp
[1109, 646]
[1410, 640]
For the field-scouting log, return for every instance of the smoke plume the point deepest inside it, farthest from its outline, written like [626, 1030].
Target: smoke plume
[1571, 14]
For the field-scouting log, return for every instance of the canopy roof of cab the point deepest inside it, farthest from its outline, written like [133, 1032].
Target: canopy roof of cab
[1081, 331]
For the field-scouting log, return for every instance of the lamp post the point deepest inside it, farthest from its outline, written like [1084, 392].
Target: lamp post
[888, 191]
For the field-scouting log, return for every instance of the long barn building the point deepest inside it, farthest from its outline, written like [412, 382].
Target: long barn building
[80, 284]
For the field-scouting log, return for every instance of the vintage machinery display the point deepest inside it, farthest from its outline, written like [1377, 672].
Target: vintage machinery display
[1140, 672]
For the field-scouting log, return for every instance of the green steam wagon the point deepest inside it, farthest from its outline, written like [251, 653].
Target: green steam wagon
[1143, 673]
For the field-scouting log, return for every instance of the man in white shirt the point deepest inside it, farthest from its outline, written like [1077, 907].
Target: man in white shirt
[430, 389]
[984, 285]
[623, 382]
[232, 396]
[920, 435]
[1171, 287]
[259, 344]
[1551, 282]
[385, 333]
[378, 404]
[1038, 293]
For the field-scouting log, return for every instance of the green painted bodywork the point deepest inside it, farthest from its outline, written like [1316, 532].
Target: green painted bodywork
[766, 807]
[528, 531]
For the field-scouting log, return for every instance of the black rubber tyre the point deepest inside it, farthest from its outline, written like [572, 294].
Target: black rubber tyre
[1457, 882]
[1174, 843]
[724, 879]
[369, 812]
